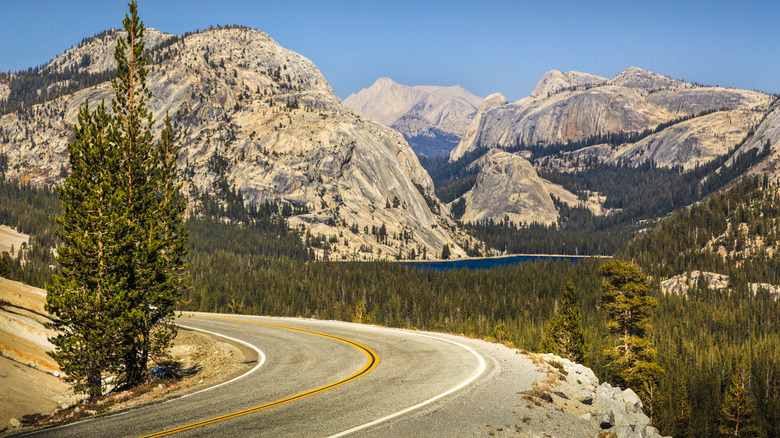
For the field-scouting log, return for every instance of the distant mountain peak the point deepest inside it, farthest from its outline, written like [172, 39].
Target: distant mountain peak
[431, 118]
[635, 77]
[554, 81]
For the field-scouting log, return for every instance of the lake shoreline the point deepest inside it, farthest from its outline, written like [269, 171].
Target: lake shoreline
[492, 262]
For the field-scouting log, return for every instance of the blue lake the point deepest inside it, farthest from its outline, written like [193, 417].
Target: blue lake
[489, 262]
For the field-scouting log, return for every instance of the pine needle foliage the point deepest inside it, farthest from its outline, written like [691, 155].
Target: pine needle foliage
[564, 336]
[738, 410]
[124, 242]
[631, 360]
[85, 299]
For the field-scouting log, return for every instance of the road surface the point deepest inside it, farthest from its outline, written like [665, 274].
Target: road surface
[321, 378]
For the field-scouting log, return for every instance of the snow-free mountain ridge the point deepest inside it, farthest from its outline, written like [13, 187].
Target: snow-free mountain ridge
[577, 107]
[267, 113]
[427, 116]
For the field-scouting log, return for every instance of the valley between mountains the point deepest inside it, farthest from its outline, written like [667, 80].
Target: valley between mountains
[295, 202]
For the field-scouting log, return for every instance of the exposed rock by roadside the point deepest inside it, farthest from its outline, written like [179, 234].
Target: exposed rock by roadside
[528, 395]
[573, 388]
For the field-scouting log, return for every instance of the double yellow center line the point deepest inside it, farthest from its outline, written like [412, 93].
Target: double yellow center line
[371, 362]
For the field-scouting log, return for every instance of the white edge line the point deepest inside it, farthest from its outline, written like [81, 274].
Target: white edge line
[261, 361]
[480, 370]
[260, 354]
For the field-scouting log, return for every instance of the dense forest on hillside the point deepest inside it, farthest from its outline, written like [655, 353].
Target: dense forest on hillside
[636, 194]
[735, 233]
[31, 211]
[702, 340]
[262, 267]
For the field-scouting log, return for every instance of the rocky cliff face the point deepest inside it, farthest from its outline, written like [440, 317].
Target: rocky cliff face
[700, 123]
[767, 135]
[691, 143]
[425, 115]
[268, 115]
[522, 198]
[508, 188]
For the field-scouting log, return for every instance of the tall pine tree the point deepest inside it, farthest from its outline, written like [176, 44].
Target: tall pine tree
[564, 336]
[142, 238]
[85, 298]
[631, 360]
[738, 410]
[152, 209]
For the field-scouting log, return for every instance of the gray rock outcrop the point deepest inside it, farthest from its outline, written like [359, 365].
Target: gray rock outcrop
[238, 96]
[635, 77]
[702, 123]
[683, 283]
[555, 81]
[508, 188]
[614, 410]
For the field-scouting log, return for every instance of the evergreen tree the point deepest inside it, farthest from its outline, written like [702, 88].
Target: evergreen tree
[152, 210]
[445, 252]
[676, 420]
[85, 299]
[631, 360]
[564, 336]
[125, 244]
[738, 410]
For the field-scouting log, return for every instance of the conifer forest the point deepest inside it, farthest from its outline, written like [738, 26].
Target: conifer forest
[704, 340]
[118, 236]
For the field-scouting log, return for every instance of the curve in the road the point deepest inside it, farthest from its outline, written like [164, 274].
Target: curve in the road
[260, 361]
[480, 369]
[371, 363]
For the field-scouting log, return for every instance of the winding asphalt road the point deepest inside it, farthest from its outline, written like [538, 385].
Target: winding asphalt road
[312, 378]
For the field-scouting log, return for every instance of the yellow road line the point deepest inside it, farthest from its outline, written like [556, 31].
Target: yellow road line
[371, 363]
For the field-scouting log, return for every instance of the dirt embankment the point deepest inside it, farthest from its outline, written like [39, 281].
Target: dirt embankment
[34, 391]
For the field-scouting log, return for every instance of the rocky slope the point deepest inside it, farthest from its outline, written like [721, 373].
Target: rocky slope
[767, 135]
[686, 144]
[683, 283]
[523, 197]
[508, 188]
[263, 118]
[33, 385]
[700, 123]
[11, 239]
[427, 116]
[96, 54]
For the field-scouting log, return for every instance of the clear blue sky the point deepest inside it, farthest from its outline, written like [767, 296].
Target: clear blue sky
[486, 47]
